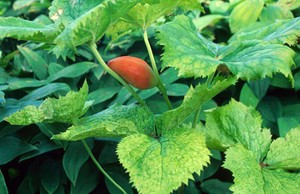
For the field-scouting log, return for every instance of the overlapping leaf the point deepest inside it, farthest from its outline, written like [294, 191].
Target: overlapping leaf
[194, 56]
[193, 100]
[281, 32]
[116, 121]
[90, 26]
[158, 166]
[65, 109]
[27, 30]
[236, 123]
[245, 13]
[252, 177]
[284, 152]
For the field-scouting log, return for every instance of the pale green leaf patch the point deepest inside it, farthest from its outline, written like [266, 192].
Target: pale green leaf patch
[195, 56]
[193, 100]
[245, 13]
[253, 177]
[278, 32]
[237, 124]
[27, 30]
[284, 152]
[158, 166]
[116, 121]
[66, 109]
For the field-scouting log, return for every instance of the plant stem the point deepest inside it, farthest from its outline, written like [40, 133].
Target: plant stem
[115, 75]
[100, 167]
[196, 117]
[160, 85]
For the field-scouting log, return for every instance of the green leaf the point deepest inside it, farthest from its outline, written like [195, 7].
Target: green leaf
[90, 26]
[290, 4]
[284, 152]
[88, 179]
[285, 124]
[193, 100]
[206, 20]
[161, 165]
[72, 71]
[194, 56]
[38, 64]
[272, 13]
[65, 12]
[3, 187]
[73, 159]
[50, 175]
[66, 109]
[214, 186]
[245, 13]
[116, 121]
[235, 123]
[251, 177]
[279, 32]
[248, 97]
[11, 147]
[21, 29]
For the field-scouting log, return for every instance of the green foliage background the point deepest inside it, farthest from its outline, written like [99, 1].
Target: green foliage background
[49, 78]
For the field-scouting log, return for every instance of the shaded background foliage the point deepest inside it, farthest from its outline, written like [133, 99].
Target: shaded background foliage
[30, 73]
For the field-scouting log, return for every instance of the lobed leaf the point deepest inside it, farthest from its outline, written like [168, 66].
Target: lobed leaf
[278, 32]
[160, 165]
[251, 177]
[237, 124]
[66, 109]
[90, 26]
[194, 56]
[284, 152]
[21, 29]
[193, 100]
[116, 121]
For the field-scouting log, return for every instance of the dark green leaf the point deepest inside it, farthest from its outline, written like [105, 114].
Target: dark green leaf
[12, 147]
[215, 186]
[177, 89]
[50, 175]
[73, 159]
[285, 124]
[3, 187]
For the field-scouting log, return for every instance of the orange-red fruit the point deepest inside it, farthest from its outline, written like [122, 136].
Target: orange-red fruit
[134, 71]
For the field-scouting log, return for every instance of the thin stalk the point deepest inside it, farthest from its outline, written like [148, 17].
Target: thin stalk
[100, 167]
[196, 118]
[160, 85]
[115, 75]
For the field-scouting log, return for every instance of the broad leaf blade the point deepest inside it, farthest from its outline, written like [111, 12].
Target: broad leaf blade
[194, 56]
[284, 152]
[251, 177]
[236, 123]
[191, 54]
[193, 100]
[90, 26]
[245, 13]
[3, 187]
[27, 30]
[280, 32]
[66, 109]
[117, 121]
[160, 165]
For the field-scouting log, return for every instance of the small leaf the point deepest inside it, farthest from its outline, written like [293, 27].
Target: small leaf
[193, 100]
[251, 177]
[26, 30]
[272, 13]
[73, 159]
[235, 123]
[245, 13]
[72, 71]
[3, 187]
[11, 147]
[38, 64]
[279, 32]
[160, 165]
[50, 175]
[284, 152]
[26, 116]
[116, 121]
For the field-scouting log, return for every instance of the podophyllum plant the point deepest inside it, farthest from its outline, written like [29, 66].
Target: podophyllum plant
[162, 151]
